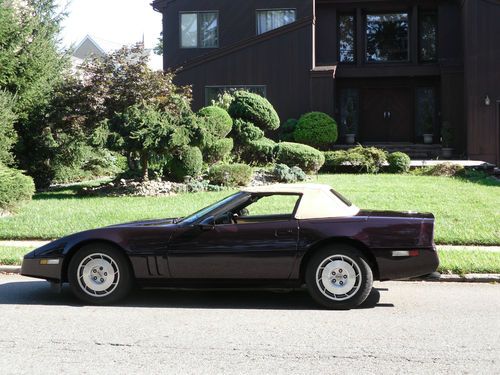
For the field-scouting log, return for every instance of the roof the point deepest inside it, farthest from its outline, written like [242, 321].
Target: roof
[318, 200]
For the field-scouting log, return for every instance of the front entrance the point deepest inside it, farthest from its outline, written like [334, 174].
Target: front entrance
[386, 115]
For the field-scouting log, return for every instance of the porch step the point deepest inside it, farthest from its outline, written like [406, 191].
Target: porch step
[414, 150]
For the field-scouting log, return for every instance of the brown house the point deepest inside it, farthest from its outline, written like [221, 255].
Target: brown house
[388, 71]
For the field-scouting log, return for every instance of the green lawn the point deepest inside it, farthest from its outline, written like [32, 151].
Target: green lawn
[467, 213]
[456, 261]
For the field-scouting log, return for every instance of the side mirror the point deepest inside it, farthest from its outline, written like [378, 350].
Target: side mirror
[208, 223]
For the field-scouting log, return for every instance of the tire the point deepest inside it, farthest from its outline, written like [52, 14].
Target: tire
[99, 274]
[339, 277]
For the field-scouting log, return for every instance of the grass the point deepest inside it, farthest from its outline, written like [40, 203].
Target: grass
[467, 213]
[454, 261]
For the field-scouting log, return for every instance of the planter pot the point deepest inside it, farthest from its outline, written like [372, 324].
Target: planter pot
[446, 152]
[428, 138]
[349, 138]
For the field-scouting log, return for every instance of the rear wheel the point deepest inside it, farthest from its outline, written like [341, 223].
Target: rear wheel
[99, 274]
[339, 277]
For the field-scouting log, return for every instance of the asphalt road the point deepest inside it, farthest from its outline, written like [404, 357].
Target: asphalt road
[405, 327]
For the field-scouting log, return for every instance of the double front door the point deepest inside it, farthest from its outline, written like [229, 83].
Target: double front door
[386, 115]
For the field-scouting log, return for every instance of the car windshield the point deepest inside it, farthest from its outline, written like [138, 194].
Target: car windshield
[192, 218]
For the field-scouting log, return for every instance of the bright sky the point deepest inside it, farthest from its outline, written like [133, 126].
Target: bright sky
[112, 23]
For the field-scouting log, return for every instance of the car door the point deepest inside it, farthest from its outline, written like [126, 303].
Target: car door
[257, 247]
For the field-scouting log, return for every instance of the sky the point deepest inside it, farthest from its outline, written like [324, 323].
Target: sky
[112, 23]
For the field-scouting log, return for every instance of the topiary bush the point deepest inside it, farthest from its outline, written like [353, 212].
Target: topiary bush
[399, 162]
[218, 150]
[287, 129]
[15, 188]
[245, 132]
[255, 109]
[305, 157]
[187, 161]
[316, 129]
[259, 152]
[283, 173]
[230, 174]
[216, 120]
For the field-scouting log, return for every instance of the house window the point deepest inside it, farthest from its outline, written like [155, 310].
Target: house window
[349, 111]
[199, 30]
[270, 19]
[347, 36]
[427, 35]
[212, 93]
[387, 37]
[425, 111]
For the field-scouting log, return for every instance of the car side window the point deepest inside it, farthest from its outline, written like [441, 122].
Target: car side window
[267, 208]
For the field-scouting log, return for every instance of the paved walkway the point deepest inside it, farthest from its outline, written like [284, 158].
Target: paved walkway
[34, 244]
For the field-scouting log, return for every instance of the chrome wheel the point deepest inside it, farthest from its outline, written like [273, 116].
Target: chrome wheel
[98, 275]
[338, 277]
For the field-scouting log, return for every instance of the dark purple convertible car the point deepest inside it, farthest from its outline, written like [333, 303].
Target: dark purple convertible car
[271, 236]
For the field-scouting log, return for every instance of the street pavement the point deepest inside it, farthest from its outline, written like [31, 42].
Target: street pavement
[404, 327]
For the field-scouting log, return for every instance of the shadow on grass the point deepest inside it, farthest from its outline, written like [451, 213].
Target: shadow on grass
[39, 293]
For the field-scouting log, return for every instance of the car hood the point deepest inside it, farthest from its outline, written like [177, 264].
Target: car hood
[147, 223]
[401, 214]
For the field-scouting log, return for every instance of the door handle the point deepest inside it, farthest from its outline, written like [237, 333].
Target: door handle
[282, 232]
[389, 114]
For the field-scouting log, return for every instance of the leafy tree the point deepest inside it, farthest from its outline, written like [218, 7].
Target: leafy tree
[7, 133]
[147, 130]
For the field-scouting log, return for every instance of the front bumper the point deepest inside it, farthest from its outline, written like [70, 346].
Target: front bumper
[33, 268]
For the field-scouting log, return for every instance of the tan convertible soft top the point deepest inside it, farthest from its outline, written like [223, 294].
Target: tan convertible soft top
[318, 200]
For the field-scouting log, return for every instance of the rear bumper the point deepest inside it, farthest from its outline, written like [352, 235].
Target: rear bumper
[33, 268]
[391, 267]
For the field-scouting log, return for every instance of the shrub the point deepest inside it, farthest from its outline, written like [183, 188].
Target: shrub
[187, 161]
[260, 152]
[334, 160]
[316, 129]
[442, 169]
[287, 129]
[283, 173]
[230, 174]
[305, 157]
[399, 162]
[223, 100]
[15, 188]
[7, 133]
[218, 150]
[366, 159]
[255, 109]
[216, 120]
[244, 132]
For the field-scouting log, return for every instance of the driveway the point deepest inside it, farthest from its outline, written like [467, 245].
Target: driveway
[405, 327]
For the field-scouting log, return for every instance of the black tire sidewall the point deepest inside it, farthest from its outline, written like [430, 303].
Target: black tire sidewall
[124, 284]
[366, 274]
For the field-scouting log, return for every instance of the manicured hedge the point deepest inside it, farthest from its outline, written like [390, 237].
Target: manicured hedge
[259, 152]
[358, 159]
[187, 161]
[399, 162]
[218, 150]
[255, 109]
[305, 157]
[15, 188]
[245, 132]
[216, 120]
[316, 129]
[230, 174]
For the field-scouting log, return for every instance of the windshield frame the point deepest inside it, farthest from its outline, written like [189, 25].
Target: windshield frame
[205, 212]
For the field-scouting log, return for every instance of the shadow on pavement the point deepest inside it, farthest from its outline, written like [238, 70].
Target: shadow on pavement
[40, 293]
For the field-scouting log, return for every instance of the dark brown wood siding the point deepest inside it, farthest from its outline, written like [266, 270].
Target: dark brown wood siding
[237, 21]
[482, 77]
[282, 63]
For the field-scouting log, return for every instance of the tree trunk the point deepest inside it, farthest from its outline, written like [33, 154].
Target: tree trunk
[144, 166]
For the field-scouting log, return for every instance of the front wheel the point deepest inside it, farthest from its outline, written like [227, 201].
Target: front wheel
[339, 277]
[99, 274]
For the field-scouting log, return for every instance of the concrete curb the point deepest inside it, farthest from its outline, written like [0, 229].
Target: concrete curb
[468, 278]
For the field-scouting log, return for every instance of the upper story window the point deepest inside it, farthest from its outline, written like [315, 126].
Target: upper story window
[387, 37]
[270, 19]
[347, 37]
[199, 29]
[427, 35]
